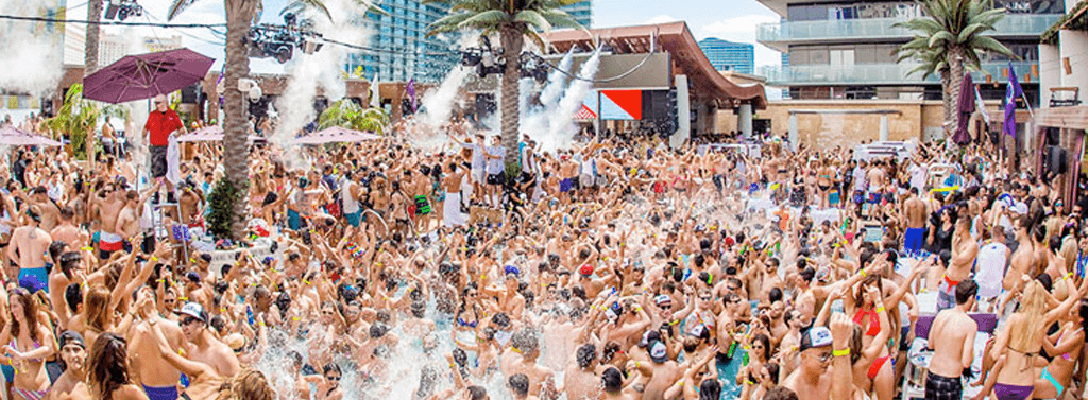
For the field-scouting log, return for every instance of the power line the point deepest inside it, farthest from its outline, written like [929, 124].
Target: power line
[111, 22]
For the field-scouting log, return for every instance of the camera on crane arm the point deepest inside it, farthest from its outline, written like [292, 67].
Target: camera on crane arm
[280, 40]
[121, 9]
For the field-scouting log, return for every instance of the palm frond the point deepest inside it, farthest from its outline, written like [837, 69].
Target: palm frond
[534, 19]
[486, 20]
[176, 7]
[991, 45]
[449, 23]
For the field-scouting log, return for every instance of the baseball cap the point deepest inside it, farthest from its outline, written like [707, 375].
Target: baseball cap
[816, 337]
[649, 337]
[72, 337]
[195, 310]
[700, 331]
[662, 300]
[160, 98]
[585, 270]
[512, 270]
[1019, 208]
[658, 353]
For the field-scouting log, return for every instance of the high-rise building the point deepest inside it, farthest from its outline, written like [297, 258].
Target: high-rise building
[401, 49]
[847, 49]
[582, 12]
[725, 55]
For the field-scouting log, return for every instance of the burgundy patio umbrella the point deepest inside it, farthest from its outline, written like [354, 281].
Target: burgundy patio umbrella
[335, 134]
[12, 136]
[211, 133]
[142, 76]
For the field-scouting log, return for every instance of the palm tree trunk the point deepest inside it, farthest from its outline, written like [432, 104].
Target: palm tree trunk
[90, 62]
[90, 42]
[512, 41]
[236, 155]
[946, 99]
[955, 64]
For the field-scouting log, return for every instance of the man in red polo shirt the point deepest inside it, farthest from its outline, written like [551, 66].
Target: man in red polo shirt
[161, 123]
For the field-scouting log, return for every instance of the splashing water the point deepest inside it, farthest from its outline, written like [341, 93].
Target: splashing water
[322, 69]
[560, 133]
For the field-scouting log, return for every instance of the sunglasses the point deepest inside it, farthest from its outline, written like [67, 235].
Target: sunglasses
[705, 298]
[332, 378]
[189, 320]
[824, 356]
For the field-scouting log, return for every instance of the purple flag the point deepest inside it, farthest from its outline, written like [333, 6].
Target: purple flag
[1011, 91]
[411, 89]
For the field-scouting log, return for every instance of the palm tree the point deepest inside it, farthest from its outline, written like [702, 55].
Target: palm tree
[239, 15]
[954, 31]
[513, 20]
[90, 42]
[348, 114]
[932, 61]
[78, 120]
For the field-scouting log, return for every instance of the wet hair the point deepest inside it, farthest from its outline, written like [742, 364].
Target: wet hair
[30, 313]
[965, 291]
[330, 367]
[477, 392]
[586, 355]
[775, 294]
[710, 389]
[73, 295]
[107, 365]
[68, 260]
[55, 249]
[519, 384]
[612, 380]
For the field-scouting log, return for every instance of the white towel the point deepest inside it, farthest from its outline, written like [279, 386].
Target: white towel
[173, 162]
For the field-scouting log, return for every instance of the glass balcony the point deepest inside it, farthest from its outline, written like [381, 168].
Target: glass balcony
[881, 28]
[877, 74]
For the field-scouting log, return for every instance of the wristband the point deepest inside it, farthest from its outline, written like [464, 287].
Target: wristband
[880, 310]
[863, 274]
[843, 352]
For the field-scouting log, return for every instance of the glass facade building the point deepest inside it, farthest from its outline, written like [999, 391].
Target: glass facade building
[582, 12]
[401, 50]
[847, 49]
[725, 55]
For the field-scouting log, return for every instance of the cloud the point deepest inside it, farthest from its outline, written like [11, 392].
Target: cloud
[661, 19]
[743, 25]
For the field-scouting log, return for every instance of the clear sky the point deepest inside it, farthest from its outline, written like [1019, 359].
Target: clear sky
[733, 20]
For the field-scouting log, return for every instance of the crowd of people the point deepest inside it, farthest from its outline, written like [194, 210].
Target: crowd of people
[608, 270]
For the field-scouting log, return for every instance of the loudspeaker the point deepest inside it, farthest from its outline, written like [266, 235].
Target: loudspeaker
[1058, 160]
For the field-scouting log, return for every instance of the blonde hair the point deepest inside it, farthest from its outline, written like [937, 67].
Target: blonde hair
[249, 384]
[1025, 336]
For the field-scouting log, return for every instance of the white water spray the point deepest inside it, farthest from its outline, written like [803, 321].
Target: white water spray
[561, 131]
[324, 69]
[536, 121]
[32, 57]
